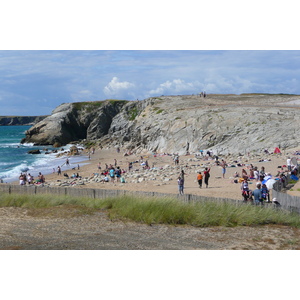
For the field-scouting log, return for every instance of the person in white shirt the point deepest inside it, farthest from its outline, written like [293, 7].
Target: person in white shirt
[288, 162]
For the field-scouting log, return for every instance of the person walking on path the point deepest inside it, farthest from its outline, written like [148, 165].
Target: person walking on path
[199, 179]
[206, 176]
[180, 185]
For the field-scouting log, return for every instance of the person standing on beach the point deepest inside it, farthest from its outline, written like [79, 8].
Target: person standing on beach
[112, 175]
[22, 179]
[223, 165]
[199, 179]
[67, 162]
[182, 175]
[206, 176]
[289, 163]
[118, 173]
[58, 170]
[29, 179]
[256, 174]
[180, 185]
[258, 195]
[176, 160]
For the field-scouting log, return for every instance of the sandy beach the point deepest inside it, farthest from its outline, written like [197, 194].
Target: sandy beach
[218, 186]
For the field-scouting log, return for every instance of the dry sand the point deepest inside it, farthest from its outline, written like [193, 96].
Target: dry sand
[69, 228]
[218, 186]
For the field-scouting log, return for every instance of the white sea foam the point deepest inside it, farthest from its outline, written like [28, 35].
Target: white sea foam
[44, 163]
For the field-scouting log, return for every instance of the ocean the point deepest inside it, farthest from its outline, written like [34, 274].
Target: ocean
[14, 157]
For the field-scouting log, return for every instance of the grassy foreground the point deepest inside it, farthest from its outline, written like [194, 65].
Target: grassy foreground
[160, 211]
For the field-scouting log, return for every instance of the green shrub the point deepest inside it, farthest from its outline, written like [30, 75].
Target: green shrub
[161, 211]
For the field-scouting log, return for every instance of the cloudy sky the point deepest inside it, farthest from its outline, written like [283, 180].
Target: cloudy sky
[35, 82]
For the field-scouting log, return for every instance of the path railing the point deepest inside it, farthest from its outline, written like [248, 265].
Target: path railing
[289, 202]
[102, 193]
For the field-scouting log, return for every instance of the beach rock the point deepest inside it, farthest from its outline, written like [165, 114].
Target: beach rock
[34, 152]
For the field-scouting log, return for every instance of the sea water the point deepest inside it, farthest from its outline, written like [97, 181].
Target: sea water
[14, 157]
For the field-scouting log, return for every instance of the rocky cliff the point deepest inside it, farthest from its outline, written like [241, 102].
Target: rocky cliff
[75, 121]
[223, 123]
[20, 120]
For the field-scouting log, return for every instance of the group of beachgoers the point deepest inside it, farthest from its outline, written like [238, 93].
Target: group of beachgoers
[200, 176]
[114, 173]
[27, 178]
[261, 194]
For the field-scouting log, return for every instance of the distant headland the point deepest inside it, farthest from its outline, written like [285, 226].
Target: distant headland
[20, 120]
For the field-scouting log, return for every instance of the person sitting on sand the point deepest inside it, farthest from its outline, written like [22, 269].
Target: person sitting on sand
[236, 174]
[245, 190]
[244, 174]
[41, 178]
[105, 179]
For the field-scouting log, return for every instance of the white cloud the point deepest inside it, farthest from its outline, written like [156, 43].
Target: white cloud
[177, 86]
[118, 88]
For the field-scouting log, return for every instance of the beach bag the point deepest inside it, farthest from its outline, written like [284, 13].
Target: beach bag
[122, 180]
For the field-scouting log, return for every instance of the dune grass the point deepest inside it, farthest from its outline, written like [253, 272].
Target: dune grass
[161, 211]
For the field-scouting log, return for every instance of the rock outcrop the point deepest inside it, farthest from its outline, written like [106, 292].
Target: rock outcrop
[223, 123]
[20, 120]
[73, 122]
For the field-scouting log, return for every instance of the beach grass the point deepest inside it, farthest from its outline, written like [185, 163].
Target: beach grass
[158, 210]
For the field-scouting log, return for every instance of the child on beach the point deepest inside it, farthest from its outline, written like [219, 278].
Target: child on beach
[199, 179]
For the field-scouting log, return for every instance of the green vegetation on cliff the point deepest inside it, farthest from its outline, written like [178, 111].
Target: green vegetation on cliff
[89, 106]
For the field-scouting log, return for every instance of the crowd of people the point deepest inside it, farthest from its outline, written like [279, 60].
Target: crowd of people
[249, 174]
[261, 193]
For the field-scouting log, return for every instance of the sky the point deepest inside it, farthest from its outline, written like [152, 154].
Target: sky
[34, 82]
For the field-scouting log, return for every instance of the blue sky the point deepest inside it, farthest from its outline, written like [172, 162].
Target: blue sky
[123, 50]
[35, 82]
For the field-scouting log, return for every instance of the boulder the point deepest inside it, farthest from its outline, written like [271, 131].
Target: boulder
[34, 152]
